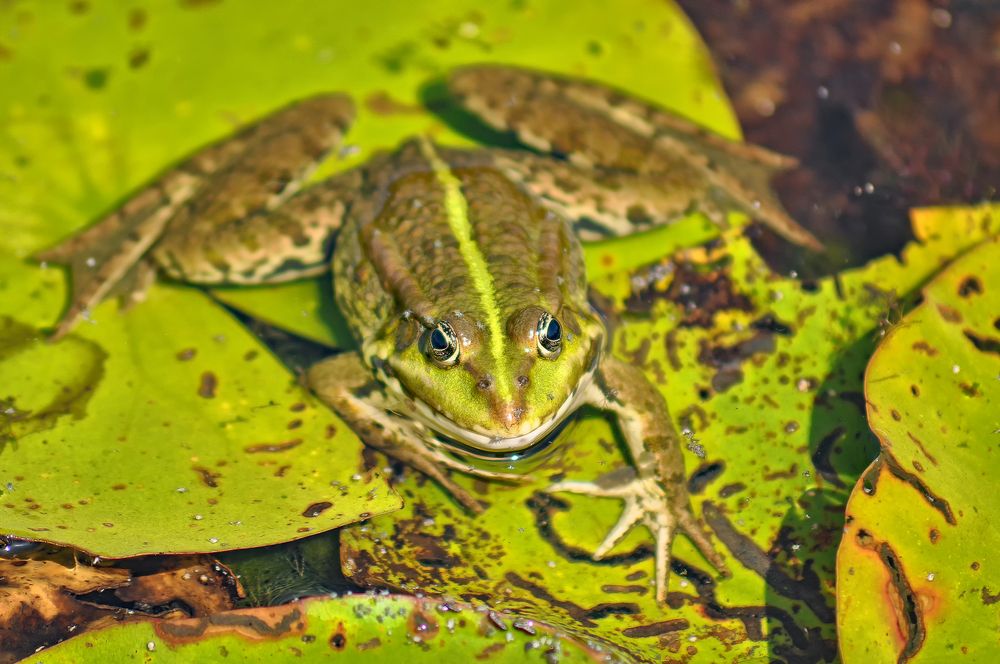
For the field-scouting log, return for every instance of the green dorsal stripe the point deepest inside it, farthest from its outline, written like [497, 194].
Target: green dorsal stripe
[457, 211]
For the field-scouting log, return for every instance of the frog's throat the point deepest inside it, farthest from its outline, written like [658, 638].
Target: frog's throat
[489, 441]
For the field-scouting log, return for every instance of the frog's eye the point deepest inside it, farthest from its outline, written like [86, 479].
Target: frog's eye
[549, 335]
[441, 345]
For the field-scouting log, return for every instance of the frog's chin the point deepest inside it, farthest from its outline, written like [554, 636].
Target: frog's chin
[491, 442]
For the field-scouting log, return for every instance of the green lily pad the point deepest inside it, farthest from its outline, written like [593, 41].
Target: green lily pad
[105, 427]
[917, 573]
[173, 431]
[393, 629]
[764, 376]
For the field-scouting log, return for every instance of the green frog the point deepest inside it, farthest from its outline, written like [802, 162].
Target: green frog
[460, 271]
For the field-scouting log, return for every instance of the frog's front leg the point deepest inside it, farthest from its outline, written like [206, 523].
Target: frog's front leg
[655, 492]
[345, 384]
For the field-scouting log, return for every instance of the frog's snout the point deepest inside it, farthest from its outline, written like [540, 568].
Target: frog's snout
[509, 415]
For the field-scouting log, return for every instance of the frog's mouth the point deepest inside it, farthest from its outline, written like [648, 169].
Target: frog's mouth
[472, 440]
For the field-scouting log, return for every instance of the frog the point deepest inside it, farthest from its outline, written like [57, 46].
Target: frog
[459, 270]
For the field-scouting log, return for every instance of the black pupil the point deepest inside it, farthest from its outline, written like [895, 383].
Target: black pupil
[553, 331]
[438, 340]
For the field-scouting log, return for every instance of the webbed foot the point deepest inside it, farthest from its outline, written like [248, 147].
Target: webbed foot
[647, 504]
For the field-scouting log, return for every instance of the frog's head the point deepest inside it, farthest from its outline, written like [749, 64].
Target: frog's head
[496, 386]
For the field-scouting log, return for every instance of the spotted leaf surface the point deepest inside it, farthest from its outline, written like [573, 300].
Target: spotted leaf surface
[916, 571]
[174, 431]
[170, 428]
[764, 376]
[384, 628]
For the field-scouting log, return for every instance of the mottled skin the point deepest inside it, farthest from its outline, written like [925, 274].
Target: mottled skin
[451, 266]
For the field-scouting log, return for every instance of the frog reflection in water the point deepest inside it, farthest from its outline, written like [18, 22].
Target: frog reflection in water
[459, 271]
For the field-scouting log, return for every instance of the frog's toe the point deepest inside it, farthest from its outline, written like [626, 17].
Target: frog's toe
[631, 515]
[695, 531]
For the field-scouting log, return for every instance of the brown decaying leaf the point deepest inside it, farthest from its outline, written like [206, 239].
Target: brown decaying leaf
[200, 582]
[39, 603]
[43, 602]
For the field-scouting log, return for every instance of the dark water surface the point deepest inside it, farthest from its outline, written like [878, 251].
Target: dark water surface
[888, 104]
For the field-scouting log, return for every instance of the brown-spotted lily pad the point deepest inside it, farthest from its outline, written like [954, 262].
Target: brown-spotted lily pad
[763, 375]
[171, 431]
[917, 572]
[361, 627]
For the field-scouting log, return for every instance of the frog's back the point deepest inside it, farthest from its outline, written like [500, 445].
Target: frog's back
[446, 232]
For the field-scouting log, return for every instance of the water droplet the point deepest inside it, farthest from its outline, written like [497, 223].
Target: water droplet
[941, 18]
[468, 30]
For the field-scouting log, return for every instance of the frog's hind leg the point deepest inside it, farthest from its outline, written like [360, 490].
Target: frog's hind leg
[345, 384]
[101, 257]
[257, 169]
[622, 140]
[271, 244]
[600, 203]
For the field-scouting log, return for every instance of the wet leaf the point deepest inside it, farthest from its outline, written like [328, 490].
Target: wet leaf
[304, 307]
[764, 374]
[52, 596]
[393, 629]
[118, 446]
[40, 601]
[917, 573]
[170, 431]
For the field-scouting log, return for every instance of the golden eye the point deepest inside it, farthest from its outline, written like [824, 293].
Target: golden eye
[441, 345]
[549, 336]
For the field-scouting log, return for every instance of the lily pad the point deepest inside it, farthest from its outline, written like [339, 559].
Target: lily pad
[393, 629]
[917, 577]
[118, 445]
[173, 431]
[763, 375]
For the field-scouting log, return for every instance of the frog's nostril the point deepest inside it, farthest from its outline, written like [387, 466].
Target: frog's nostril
[522, 381]
[484, 384]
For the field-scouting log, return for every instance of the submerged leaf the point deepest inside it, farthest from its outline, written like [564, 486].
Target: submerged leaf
[53, 596]
[40, 601]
